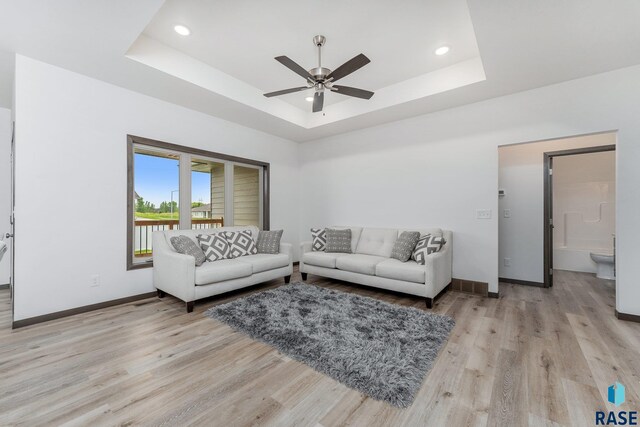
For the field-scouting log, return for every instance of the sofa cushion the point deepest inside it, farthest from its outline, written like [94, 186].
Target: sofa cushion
[219, 271]
[409, 271]
[268, 242]
[184, 245]
[241, 243]
[338, 241]
[405, 244]
[321, 259]
[265, 262]
[319, 242]
[359, 263]
[377, 241]
[214, 246]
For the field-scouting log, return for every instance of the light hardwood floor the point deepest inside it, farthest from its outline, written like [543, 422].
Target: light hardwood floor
[532, 357]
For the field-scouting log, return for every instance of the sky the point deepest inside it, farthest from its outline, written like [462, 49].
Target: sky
[156, 177]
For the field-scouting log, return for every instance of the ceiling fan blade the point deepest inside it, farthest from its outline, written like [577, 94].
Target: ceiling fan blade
[293, 66]
[285, 91]
[318, 101]
[352, 91]
[348, 67]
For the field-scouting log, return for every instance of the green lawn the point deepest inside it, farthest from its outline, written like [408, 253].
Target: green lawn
[151, 215]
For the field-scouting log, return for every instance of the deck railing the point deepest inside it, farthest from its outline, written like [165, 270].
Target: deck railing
[145, 227]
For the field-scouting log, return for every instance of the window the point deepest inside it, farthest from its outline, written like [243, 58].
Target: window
[156, 189]
[246, 196]
[173, 187]
[207, 193]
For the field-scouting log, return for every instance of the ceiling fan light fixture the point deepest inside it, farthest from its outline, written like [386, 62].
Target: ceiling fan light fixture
[182, 30]
[442, 50]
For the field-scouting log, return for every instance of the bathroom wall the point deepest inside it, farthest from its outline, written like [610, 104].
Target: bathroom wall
[584, 191]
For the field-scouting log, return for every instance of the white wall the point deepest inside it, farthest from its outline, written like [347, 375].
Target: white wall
[71, 176]
[584, 209]
[521, 176]
[5, 187]
[437, 169]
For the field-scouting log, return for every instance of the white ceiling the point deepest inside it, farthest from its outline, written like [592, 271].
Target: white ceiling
[242, 38]
[522, 45]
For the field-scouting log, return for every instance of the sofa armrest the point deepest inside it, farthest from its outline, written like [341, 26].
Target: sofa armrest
[305, 247]
[287, 248]
[438, 267]
[173, 273]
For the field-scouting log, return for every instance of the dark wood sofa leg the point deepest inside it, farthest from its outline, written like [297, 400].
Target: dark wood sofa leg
[287, 279]
[429, 302]
[161, 294]
[304, 276]
[189, 306]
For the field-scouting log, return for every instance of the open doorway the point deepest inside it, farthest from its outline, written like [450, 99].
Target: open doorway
[525, 203]
[579, 211]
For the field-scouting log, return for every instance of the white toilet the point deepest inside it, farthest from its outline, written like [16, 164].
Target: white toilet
[605, 265]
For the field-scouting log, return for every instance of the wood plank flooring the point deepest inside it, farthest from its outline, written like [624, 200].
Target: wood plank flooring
[532, 357]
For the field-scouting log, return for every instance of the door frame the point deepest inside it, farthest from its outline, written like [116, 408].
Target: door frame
[548, 202]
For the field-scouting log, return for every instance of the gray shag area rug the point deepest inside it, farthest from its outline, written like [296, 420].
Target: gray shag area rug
[380, 349]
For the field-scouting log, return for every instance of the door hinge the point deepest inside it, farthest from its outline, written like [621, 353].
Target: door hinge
[550, 171]
[551, 272]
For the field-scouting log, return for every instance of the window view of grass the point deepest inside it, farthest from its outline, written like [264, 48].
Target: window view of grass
[156, 195]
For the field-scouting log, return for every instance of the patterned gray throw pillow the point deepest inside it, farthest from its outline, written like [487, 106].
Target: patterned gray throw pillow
[185, 245]
[215, 246]
[269, 241]
[404, 246]
[338, 241]
[319, 242]
[427, 245]
[241, 243]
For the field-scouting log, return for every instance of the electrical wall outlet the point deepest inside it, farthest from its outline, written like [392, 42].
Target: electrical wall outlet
[507, 262]
[483, 213]
[94, 280]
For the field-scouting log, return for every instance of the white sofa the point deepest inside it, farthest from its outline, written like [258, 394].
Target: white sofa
[370, 263]
[177, 274]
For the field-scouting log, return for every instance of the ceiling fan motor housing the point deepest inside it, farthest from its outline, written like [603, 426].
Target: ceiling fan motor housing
[319, 73]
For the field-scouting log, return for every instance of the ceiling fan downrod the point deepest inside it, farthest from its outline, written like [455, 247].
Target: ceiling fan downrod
[319, 73]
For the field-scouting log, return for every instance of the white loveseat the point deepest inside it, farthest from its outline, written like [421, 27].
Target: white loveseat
[177, 274]
[370, 263]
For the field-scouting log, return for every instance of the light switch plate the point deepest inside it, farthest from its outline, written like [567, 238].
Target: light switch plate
[483, 213]
[507, 213]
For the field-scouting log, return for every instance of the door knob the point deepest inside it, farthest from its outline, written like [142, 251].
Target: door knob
[8, 235]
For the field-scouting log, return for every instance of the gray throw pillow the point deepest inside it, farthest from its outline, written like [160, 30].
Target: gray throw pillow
[214, 246]
[319, 236]
[184, 245]
[338, 241]
[240, 243]
[427, 245]
[269, 242]
[404, 246]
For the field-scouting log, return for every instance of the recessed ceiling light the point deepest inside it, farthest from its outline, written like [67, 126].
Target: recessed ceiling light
[309, 99]
[442, 50]
[182, 30]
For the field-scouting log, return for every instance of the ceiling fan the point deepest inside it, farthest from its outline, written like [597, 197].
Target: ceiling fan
[321, 78]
